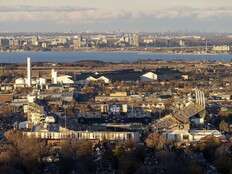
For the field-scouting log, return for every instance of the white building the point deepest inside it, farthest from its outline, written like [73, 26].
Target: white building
[44, 45]
[23, 82]
[41, 82]
[199, 134]
[102, 79]
[85, 135]
[185, 77]
[186, 136]
[124, 108]
[197, 120]
[50, 119]
[35, 113]
[31, 98]
[20, 83]
[77, 43]
[35, 40]
[90, 79]
[222, 48]
[150, 76]
[65, 79]
[177, 136]
[134, 40]
[29, 82]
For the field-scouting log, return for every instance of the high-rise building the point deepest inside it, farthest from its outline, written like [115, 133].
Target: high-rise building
[182, 43]
[4, 43]
[44, 45]
[134, 40]
[62, 40]
[28, 72]
[16, 43]
[77, 43]
[35, 41]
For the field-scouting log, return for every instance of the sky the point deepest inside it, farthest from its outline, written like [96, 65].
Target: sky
[116, 15]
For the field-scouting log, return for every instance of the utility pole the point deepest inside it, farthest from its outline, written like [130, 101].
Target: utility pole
[206, 46]
[65, 117]
[65, 113]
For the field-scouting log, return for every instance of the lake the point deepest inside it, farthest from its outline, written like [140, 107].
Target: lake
[68, 57]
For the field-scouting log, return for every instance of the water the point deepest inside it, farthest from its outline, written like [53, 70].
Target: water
[20, 57]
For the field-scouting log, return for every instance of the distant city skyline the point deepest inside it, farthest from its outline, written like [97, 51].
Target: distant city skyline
[109, 16]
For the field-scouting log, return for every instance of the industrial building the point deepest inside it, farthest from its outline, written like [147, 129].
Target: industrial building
[40, 82]
[84, 135]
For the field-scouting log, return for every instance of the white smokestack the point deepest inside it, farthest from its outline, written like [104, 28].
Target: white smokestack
[54, 76]
[29, 72]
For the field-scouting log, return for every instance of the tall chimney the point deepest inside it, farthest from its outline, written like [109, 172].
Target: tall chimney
[54, 76]
[28, 72]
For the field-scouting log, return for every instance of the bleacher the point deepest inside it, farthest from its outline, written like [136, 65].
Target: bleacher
[166, 122]
[187, 112]
[178, 117]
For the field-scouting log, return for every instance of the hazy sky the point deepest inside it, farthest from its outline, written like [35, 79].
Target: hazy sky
[116, 15]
